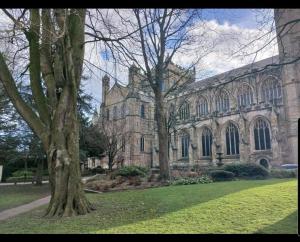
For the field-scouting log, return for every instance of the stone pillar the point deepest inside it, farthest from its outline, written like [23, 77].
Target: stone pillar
[288, 38]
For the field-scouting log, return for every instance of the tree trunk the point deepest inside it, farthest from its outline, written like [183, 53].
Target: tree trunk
[162, 139]
[67, 194]
[39, 173]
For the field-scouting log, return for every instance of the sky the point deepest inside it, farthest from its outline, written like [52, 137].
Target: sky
[227, 29]
[243, 24]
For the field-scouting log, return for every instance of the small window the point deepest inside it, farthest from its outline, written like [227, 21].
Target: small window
[201, 107]
[142, 111]
[271, 91]
[142, 141]
[107, 114]
[185, 111]
[123, 144]
[245, 96]
[222, 102]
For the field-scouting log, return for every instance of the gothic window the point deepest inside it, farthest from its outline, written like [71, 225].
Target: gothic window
[142, 111]
[271, 91]
[184, 111]
[123, 144]
[262, 135]
[201, 107]
[107, 114]
[206, 142]
[185, 146]
[245, 96]
[232, 140]
[115, 112]
[222, 102]
[123, 109]
[142, 141]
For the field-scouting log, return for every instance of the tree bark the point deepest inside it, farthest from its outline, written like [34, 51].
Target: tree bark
[39, 173]
[162, 138]
[67, 194]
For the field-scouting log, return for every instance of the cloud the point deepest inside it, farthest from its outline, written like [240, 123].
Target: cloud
[222, 46]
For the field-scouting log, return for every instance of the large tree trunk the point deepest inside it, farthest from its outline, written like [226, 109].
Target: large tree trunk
[162, 139]
[67, 195]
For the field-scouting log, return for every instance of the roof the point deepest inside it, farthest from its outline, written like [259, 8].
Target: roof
[218, 79]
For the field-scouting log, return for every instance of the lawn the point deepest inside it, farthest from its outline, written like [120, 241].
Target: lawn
[256, 206]
[12, 196]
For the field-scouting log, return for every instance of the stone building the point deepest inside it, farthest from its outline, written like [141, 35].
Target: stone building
[248, 114]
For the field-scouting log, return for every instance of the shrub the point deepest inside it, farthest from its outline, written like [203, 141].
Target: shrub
[132, 171]
[22, 173]
[281, 173]
[19, 179]
[221, 175]
[192, 180]
[250, 170]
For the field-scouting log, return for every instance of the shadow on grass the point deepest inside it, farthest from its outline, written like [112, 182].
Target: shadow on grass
[153, 203]
[287, 225]
[121, 208]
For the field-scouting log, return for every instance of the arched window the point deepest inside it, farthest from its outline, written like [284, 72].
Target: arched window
[142, 144]
[245, 96]
[123, 110]
[201, 107]
[107, 114]
[185, 146]
[115, 112]
[123, 144]
[261, 135]
[222, 102]
[142, 111]
[232, 140]
[271, 91]
[185, 111]
[206, 142]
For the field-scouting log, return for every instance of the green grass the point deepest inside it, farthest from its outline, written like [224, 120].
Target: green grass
[264, 206]
[13, 196]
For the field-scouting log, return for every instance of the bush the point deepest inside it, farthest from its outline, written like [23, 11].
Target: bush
[221, 175]
[281, 173]
[249, 170]
[22, 173]
[190, 180]
[132, 171]
[19, 179]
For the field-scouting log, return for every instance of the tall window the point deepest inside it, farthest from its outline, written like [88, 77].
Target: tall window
[245, 96]
[201, 107]
[185, 111]
[123, 144]
[262, 135]
[271, 91]
[115, 112]
[142, 141]
[222, 102]
[123, 108]
[206, 142]
[107, 114]
[185, 146]
[232, 140]
[142, 111]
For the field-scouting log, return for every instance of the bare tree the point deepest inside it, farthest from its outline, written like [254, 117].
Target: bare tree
[114, 140]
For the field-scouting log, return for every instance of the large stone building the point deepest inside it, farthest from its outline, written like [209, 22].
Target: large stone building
[248, 114]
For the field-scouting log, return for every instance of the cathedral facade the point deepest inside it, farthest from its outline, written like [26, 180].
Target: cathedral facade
[248, 114]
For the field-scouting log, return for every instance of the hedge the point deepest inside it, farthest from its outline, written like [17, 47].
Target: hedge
[247, 170]
[221, 175]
